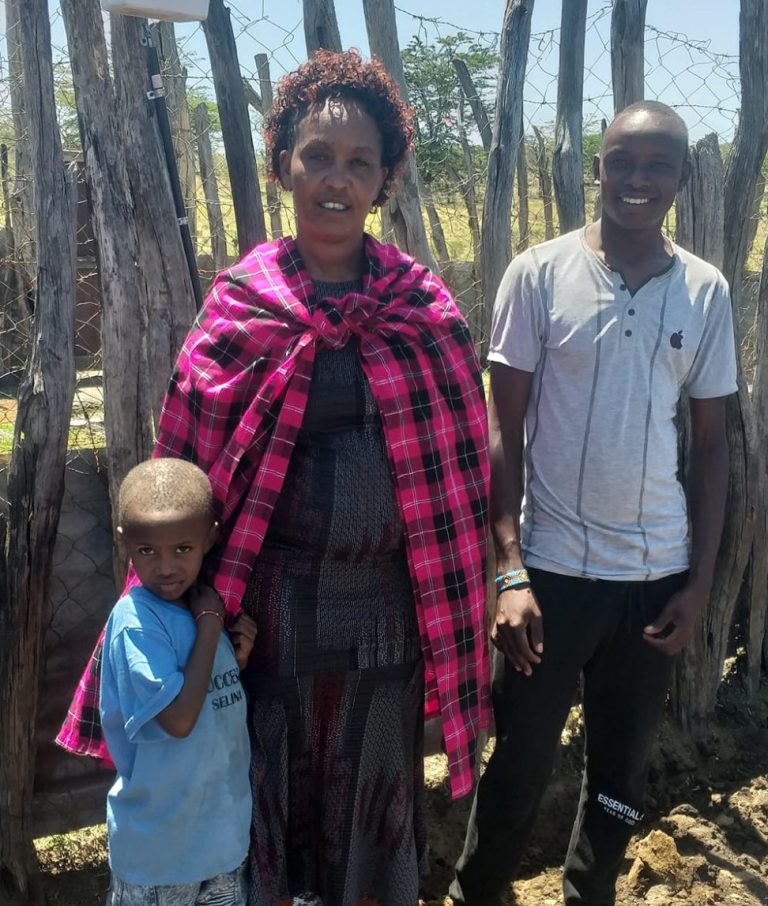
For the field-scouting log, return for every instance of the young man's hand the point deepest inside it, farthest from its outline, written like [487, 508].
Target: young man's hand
[517, 630]
[243, 634]
[673, 629]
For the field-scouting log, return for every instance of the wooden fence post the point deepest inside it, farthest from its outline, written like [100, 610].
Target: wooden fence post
[210, 187]
[36, 475]
[475, 102]
[741, 177]
[598, 210]
[750, 142]
[235, 127]
[757, 621]
[403, 210]
[523, 213]
[502, 158]
[162, 264]
[627, 52]
[699, 218]
[175, 80]
[435, 227]
[699, 228]
[273, 195]
[545, 183]
[22, 193]
[124, 297]
[568, 156]
[320, 26]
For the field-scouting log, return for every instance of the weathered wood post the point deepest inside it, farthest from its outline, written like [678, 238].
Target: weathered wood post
[545, 182]
[567, 159]
[696, 701]
[598, 211]
[175, 80]
[235, 127]
[320, 26]
[36, 475]
[125, 306]
[523, 213]
[273, 196]
[22, 193]
[628, 52]
[475, 102]
[757, 623]
[742, 175]
[403, 210]
[162, 264]
[470, 199]
[699, 228]
[143, 324]
[210, 187]
[435, 226]
[502, 158]
[699, 220]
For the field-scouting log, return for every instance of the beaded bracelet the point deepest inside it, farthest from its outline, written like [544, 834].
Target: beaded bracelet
[515, 578]
[214, 613]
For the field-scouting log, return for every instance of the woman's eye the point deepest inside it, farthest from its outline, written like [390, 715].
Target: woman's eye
[359, 162]
[183, 549]
[145, 551]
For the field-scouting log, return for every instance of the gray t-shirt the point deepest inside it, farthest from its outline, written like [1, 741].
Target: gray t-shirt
[602, 498]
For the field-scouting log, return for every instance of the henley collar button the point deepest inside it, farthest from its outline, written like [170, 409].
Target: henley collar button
[631, 311]
[627, 333]
[623, 286]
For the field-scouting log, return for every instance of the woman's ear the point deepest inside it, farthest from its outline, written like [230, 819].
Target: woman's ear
[285, 169]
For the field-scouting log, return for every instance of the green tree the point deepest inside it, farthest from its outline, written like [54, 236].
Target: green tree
[442, 112]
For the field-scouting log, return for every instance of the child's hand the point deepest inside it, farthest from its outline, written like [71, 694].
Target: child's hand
[205, 598]
[243, 634]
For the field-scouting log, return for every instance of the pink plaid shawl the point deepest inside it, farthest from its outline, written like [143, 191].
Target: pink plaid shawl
[235, 405]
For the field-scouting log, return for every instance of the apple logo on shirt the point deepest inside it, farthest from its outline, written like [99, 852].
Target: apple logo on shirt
[676, 340]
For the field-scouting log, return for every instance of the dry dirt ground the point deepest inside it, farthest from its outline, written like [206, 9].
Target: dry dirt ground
[704, 843]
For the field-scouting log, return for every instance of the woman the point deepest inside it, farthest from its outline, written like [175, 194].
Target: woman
[332, 393]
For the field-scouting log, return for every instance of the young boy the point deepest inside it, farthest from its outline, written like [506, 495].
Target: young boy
[172, 707]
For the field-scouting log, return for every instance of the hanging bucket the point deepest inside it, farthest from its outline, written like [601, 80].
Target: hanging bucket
[174, 10]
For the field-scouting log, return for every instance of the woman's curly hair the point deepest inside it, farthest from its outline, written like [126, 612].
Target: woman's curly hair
[341, 75]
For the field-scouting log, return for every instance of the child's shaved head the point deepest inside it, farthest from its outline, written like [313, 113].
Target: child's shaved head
[165, 485]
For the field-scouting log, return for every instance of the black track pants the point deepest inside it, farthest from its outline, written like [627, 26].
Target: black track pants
[594, 627]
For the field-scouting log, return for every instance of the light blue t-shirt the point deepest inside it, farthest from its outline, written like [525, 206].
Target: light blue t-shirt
[180, 808]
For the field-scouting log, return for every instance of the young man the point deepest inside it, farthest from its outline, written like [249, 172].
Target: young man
[595, 335]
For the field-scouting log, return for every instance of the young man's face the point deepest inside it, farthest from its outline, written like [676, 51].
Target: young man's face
[167, 549]
[643, 164]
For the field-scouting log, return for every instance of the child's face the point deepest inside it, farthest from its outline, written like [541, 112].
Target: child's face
[167, 549]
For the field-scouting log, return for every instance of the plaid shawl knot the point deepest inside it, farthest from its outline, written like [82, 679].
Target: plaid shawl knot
[235, 406]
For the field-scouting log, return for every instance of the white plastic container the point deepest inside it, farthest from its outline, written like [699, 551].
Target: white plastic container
[174, 10]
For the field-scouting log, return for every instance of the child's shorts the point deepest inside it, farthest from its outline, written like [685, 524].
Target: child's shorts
[229, 889]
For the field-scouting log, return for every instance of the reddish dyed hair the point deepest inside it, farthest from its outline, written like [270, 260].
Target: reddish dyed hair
[347, 76]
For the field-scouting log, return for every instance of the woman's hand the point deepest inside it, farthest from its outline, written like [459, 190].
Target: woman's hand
[517, 629]
[243, 634]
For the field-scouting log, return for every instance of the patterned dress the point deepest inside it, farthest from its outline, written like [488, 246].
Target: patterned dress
[336, 676]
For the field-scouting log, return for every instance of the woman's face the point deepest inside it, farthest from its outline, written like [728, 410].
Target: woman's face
[334, 171]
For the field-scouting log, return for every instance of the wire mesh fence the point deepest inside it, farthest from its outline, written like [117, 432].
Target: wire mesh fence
[687, 73]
